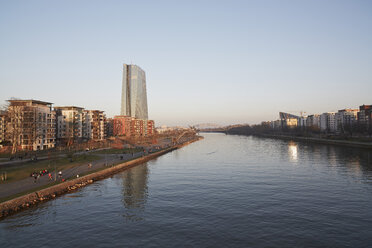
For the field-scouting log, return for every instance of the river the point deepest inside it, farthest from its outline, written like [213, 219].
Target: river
[223, 191]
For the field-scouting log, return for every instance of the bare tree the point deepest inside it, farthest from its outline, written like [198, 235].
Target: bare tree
[21, 126]
[14, 126]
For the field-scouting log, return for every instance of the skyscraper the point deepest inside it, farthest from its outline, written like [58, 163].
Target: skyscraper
[133, 95]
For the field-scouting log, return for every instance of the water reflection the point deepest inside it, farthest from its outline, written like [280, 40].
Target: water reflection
[355, 160]
[135, 191]
[292, 150]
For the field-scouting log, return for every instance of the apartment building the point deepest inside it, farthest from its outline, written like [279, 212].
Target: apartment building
[313, 121]
[328, 122]
[69, 123]
[346, 119]
[150, 128]
[94, 125]
[365, 117]
[109, 127]
[3, 116]
[122, 125]
[137, 127]
[132, 127]
[31, 125]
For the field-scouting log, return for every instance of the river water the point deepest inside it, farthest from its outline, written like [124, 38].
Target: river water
[223, 191]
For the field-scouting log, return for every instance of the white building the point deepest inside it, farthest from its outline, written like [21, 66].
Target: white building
[31, 124]
[302, 121]
[69, 122]
[328, 122]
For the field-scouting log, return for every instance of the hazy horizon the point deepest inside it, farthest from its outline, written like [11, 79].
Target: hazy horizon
[205, 61]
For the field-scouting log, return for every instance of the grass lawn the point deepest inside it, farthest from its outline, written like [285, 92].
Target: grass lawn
[21, 171]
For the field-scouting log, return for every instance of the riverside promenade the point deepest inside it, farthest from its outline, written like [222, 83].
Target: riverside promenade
[29, 184]
[100, 169]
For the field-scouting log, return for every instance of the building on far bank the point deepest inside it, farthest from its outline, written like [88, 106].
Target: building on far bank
[134, 95]
[346, 119]
[277, 124]
[313, 121]
[302, 121]
[365, 117]
[31, 125]
[288, 120]
[328, 122]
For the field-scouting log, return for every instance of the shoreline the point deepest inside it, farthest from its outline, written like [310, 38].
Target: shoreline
[28, 200]
[348, 143]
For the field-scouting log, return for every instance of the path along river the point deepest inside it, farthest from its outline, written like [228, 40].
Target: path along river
[223, 191]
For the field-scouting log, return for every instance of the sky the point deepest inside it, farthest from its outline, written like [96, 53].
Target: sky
[223, 62]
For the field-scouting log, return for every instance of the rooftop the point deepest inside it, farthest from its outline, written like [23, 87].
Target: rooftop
[68, 108]
[29, 101]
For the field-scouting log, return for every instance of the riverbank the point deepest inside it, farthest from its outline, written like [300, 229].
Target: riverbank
[367, 145]
[31, 199]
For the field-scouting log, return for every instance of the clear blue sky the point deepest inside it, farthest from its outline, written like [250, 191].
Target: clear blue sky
[206, 61]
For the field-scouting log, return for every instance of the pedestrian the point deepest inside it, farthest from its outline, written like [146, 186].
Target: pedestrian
[50, 176]
[35, 177]
[60, 174]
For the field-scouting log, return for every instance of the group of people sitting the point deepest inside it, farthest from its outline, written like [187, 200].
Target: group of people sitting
[37, 175]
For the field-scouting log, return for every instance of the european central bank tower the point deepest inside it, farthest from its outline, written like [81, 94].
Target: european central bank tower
[133, 95]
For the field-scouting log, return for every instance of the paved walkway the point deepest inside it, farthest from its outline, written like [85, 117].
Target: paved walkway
[27, 184]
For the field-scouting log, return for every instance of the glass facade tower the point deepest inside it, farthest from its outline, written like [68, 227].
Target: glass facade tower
[133, 94]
